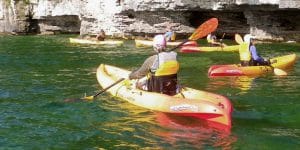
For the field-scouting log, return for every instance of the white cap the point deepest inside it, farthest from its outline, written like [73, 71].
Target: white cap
[248, 37]
[159, 43]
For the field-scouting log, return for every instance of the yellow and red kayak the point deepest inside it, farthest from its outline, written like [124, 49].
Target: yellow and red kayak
[86, 41]
[203, 105]
[148, 43]
[193, 49]
[281, 62]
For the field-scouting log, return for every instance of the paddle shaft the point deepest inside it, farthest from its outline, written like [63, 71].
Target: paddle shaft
[100, 92]
[178, 45]
[221, 41]
[222, 37]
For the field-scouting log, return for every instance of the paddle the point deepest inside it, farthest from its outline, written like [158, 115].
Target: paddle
[276, 71]
[203, 30]
[93, 96]
[238, 38]
[221, 41]
[279, 72]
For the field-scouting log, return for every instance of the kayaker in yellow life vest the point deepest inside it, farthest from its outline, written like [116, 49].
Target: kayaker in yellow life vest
[245, 55]
[161, 69]
[248, 53]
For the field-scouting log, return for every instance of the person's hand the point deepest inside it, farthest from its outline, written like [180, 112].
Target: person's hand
[127, 82]
[128, 76]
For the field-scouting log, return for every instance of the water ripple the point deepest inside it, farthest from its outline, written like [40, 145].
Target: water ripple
[37, 73]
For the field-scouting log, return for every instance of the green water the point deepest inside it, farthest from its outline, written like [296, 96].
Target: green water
[38, 72]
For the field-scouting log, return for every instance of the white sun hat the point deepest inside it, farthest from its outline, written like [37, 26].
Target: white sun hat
[159, 42]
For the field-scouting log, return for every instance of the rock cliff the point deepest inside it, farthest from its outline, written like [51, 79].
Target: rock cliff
[266, 19]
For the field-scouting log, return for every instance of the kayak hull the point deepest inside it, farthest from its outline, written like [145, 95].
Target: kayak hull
[190, 102]
[86, 41]
[193, 49]
[282, 62]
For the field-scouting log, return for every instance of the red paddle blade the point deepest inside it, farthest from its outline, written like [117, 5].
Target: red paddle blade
[204, 29]
[238, 39]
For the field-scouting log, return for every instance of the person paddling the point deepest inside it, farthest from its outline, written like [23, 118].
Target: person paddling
[248, 53]
[101, 35]
[212, 40]
[161, 69]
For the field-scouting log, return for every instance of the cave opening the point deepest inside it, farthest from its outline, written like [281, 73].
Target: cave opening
[61, 24]
[229, 22]
[196, 18]
[31, 26]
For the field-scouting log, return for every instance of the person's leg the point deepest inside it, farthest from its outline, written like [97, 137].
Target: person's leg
[263, 62]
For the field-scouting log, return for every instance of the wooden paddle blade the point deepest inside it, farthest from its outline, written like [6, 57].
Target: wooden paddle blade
[238, 39]
[204, 29]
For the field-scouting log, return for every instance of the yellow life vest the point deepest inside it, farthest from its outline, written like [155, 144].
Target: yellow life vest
[166, 64]
[245, 54]
[173, 37]
[167, 68]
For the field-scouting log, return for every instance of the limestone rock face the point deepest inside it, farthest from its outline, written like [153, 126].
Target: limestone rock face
[13, 16]
[6, 17]
[289, 4]
[266, 19]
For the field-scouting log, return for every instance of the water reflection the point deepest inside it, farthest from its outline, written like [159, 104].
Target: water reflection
[172, 130]
[39, 71]
[177, 129]
[242, 83]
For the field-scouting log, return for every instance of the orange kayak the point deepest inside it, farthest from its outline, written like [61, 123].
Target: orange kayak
[190, 102]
